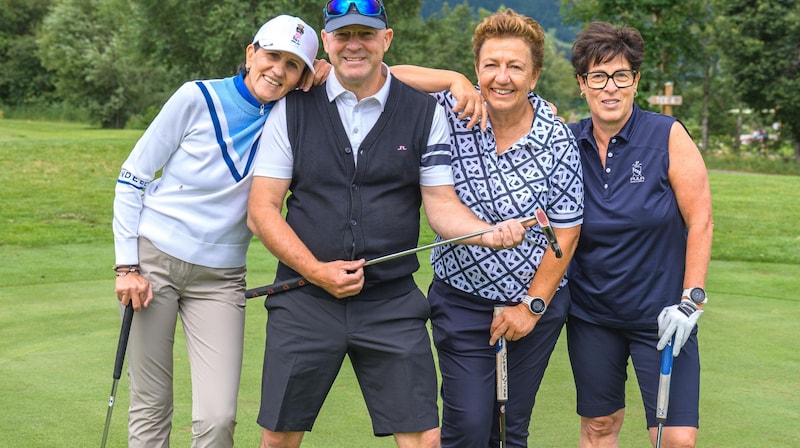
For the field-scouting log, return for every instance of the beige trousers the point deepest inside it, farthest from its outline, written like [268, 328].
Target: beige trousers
[211, 306]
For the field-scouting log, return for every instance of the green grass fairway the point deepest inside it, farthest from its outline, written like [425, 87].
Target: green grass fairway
[59, 321]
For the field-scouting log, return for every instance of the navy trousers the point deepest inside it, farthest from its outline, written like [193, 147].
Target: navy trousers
[461, 324]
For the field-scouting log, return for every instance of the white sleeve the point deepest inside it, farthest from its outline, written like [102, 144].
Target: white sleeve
[437, 169]
[274, 157]
[161, 139]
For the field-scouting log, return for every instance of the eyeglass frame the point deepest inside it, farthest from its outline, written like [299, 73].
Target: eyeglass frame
[611, 76]
[350, 4]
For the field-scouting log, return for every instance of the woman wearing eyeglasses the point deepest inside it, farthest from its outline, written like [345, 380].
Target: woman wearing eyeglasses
[639, 270]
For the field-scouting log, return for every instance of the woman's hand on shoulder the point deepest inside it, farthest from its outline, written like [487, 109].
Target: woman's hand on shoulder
[469, 103]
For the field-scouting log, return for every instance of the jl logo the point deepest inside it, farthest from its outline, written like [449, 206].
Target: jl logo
[636, 173]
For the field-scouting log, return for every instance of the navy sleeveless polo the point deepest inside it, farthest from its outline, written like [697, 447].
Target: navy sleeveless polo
[630, 259]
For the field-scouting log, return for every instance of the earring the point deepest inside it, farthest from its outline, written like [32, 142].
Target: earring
[583, 94]
[247, 68]
[635, 93]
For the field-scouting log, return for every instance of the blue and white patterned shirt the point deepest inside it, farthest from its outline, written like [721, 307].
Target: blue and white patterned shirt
[540, 170]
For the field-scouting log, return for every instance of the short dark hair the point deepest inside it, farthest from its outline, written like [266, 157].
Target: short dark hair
[601, 42]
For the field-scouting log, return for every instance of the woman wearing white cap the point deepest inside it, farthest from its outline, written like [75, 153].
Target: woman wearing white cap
[181, 236]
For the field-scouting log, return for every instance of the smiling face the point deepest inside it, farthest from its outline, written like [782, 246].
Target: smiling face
[356, 53]
[272, 74]
[610, 106]
[506, 74]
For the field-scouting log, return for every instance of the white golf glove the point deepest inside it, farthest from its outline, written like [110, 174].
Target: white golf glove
[677, 320]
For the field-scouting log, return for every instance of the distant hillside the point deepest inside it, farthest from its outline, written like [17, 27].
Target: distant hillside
[546, 12]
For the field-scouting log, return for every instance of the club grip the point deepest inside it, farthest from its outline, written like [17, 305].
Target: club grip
[665, 375]
[124, 332]
[275, 287]
[501, 363]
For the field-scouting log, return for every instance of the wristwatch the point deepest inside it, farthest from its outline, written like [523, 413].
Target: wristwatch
[537, 305]
[696, 294]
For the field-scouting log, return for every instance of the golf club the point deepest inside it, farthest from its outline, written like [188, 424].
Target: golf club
[124, 332]
[298, 282]
[501, 378]
[662, 400]
[544, 223]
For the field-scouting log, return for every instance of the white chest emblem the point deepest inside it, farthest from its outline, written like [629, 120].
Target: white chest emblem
[636, 173]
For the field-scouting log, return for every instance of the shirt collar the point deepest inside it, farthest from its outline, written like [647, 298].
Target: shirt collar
[241, 87]
[334, 88]
[624, 134]
[542, 115]
[630, 125]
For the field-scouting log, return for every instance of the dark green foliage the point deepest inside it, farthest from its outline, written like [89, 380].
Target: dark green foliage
[118, 60]
[89, 48]
[22, 77]
[207, 39]
[762, 52]
[444, 41]
[546, 12]
[673, 32]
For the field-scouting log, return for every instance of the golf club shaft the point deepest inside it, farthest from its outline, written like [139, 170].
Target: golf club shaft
[108, 412]
[297, 282]
[122, 345]
[664, 378]
[501, 377]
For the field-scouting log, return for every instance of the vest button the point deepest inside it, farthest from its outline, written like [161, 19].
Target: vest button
[347, 150]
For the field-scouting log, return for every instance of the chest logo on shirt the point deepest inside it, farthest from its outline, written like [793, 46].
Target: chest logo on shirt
[636, 173]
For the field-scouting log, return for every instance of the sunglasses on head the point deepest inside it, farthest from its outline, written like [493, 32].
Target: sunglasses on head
[337, 8]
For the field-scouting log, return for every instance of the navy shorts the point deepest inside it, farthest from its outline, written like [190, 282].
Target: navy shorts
[599, 357]
[389, 347]
[461, 325]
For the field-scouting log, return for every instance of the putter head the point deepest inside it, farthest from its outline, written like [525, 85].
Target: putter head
[544, 223]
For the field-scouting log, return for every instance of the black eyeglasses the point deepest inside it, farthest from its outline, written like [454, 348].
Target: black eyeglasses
[599, 80]
[338, 8]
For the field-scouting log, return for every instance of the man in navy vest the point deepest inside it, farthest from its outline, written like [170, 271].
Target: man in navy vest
[360, 154]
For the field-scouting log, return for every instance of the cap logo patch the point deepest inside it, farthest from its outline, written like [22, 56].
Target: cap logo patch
[298, 33]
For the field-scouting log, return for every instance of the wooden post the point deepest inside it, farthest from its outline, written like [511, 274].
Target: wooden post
[668, 93]
[667, 100]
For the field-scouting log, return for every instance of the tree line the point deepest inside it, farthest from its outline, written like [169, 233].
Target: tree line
[120, 59]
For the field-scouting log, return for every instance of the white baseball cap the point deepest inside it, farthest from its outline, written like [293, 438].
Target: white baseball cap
[291, 34]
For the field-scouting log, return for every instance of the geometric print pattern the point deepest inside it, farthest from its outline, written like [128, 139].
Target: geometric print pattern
[540, 170]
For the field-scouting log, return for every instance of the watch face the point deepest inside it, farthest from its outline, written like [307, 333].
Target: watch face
[697, 295]
[538, 306]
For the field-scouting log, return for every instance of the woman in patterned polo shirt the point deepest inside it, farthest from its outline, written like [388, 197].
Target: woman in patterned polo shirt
[525, 159]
